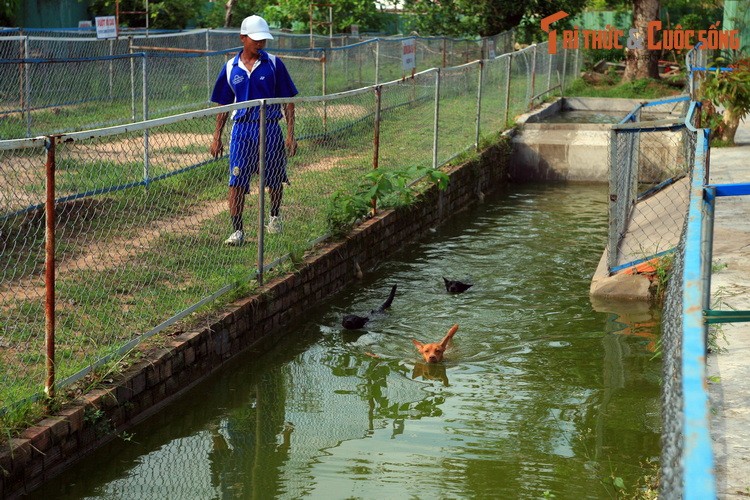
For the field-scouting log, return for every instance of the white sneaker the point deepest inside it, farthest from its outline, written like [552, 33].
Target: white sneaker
[274, 225]
[235, 239]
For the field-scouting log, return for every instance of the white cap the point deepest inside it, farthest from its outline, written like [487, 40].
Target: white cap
[256, 28]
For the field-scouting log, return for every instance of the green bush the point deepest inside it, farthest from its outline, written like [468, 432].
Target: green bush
[387, 188]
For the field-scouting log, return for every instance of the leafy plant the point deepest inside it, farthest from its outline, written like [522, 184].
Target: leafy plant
[663, 268]
[387, 188]
[731, 90]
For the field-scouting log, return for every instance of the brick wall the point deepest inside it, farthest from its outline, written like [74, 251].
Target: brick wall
[256, 322]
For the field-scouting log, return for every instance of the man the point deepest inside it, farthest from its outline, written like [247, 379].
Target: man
[254, 74]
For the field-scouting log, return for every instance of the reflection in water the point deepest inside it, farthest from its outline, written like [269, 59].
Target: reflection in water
[430, 371]
[540, 392]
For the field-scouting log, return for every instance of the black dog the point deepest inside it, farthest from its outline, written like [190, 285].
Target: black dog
[354, 322]
[453, 286]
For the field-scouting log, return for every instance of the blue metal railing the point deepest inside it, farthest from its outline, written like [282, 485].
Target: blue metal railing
[697, 455]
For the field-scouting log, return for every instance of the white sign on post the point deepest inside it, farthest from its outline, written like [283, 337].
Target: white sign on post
[408, 54]
[84, 24]
[106, 27]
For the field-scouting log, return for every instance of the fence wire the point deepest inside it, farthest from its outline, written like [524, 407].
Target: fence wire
[687, 465]
[163, 74]
[673, 415]
[651, 154]
[141, 209]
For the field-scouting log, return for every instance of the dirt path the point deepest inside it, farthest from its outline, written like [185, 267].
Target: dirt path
[103, 256]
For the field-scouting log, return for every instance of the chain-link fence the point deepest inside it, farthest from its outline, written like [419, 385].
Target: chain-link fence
[687, 456]
[651, 153]
[134, 217]
[162, 74]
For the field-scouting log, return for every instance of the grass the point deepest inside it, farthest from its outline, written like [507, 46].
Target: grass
[612, 86]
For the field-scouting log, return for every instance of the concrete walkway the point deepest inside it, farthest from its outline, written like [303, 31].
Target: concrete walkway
[729, 367]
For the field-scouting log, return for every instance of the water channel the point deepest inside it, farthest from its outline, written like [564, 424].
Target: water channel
[539, 396]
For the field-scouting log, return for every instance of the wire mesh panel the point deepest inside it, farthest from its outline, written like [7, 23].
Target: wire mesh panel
[432, 52]
[503, 42]
[143, 224]
[107, 91]
[670, 484]
[390, 63]
[189, 40]
[687, 457]
[177, 83]
[67, 48]
[407, 122]
[457, 123]
[462, 51]
[649, 186]
[494, 88]
[22, 292]
[520, 81]
[350, 67]
[12, 47]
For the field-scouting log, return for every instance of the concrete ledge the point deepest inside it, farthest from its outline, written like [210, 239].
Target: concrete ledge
[619, 287]
[570, 152]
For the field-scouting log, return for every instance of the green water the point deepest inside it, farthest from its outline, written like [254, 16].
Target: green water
[539, 395]
[584, 116]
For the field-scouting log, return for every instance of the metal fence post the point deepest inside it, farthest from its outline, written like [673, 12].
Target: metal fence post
[146, 167]
[479, 104]
[111, 69]
[325, 88]
[377, 61]
[507, 89]
[376, 138]
[436, 119]
[49, 271]
[208, 66]
[709, 206]
[564, 73]
[27, 87]
[132, 79]
[533, 77]
[549, 69]
[21, 70]
[261, 187]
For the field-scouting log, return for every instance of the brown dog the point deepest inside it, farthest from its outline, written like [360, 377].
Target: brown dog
[433, 352]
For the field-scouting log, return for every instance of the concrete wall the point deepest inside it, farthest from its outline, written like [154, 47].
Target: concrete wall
[569, 152]
[256, 322]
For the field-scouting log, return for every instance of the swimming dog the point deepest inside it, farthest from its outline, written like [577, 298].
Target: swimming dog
[354, 322]
[453, 286]
[433, 352]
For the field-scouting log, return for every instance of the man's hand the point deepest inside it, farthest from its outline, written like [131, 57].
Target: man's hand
[291, 146]
[217, 147]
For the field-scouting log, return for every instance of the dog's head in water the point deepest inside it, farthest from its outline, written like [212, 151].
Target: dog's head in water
[433, 352]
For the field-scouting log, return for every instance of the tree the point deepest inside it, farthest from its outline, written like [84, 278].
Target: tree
[363, 13]
[485, 17]
[167, 14]
[8, 12]
[640, 62]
